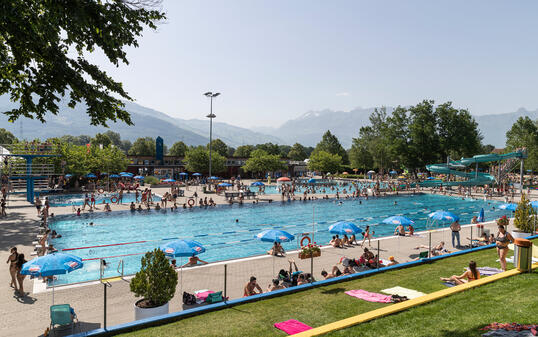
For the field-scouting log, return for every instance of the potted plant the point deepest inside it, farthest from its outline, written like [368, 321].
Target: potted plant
[524, 218]
[155, 283]
[309, 251]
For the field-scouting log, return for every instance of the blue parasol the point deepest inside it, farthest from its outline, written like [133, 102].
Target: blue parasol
[443, 216]
[344, 227]
[481, 217]
[398, 220]
[509, 207]
[257, 183]
[273, 235]
[180, 248]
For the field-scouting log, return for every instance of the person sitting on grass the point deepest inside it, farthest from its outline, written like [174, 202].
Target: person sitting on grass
[275, 285]
[251, 287]
[193, 261]
[277, 250]
[469, 275]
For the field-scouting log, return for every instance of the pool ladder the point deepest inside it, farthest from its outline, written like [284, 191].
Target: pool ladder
[121, 265]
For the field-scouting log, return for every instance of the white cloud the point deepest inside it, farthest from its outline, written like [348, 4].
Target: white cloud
[342, 94]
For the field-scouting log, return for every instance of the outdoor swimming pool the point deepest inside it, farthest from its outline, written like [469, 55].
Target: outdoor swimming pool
[58, 200]
[225, 239]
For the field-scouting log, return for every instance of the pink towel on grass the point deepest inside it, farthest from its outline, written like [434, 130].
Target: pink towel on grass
[202, 296]
[368, 296]
[292, 326]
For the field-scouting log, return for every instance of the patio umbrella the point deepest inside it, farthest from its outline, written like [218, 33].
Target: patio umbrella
[430, 178]
[139, 177]
[311, 181]
[180, 248]
[52, 264]
[283, 179]
[91, 175]
[183, 174]
[104, 174]
[274, 235]
[509, 207]
[481, 217]
[169, 180]
[69, 175]
[393, 172]
[126, 175]
[213, 178]
[225, 185]
[114, 176]
[398, 220]
[443, 216]
[534, 204]
[257, 183]
[344, 227]
[197, 174]
[370, 172]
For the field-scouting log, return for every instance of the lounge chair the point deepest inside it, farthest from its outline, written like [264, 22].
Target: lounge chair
[62, 315]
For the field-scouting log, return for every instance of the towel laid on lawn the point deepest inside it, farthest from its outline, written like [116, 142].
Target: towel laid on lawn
[368, 296]
[488, 271]
[401, 291]
[292, 326]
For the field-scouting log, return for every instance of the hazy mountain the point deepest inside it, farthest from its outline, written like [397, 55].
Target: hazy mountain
[147, 122]
[230, 134]
[494, 127]
[308, 128]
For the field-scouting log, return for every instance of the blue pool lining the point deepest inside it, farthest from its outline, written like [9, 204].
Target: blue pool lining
[175, 316]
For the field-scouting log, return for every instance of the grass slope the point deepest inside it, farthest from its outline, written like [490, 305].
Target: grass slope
[513, 299]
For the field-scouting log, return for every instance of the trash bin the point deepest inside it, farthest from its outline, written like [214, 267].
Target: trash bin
[522, 254]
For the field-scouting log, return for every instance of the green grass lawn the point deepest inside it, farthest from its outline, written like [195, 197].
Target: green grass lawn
[511, 300]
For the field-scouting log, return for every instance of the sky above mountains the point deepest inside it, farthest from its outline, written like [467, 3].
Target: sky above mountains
[274, 60]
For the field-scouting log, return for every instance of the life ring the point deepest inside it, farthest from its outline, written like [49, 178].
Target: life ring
[190, 202]
[305, 238]
[114, 200]
[101, 191]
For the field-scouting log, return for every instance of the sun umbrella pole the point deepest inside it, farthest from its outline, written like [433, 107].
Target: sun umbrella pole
[181, 276]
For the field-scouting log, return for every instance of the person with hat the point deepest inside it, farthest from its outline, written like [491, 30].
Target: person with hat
[392, 261]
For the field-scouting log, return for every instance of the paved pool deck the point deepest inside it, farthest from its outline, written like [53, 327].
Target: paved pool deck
[29, 315]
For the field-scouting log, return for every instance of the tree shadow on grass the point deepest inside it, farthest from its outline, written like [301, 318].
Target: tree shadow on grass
[333, 291]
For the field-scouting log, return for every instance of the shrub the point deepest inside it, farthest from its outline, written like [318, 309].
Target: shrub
[151, 180]
[156, 281]
[524, 215]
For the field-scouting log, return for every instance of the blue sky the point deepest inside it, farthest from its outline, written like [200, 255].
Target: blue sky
[275, 60]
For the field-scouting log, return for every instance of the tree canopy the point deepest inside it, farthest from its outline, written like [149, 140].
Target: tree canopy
[197, 160]
[524, 133]
[143, 147]
[324, 162]
[330, 143]
[178, 149]
[413, 137]
[243, 151]
[218, 146]
[43, 48]
[261, 162]
[7, 137]
[297, 152]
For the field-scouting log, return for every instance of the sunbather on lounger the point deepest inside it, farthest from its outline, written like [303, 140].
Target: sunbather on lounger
[469, 275]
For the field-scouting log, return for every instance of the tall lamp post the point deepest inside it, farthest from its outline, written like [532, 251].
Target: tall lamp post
[211, 116]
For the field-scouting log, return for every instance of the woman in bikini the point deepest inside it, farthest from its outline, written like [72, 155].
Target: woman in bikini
[20, 277]
[502, 240]
[469, 275]
[366, 236]
[12, 260]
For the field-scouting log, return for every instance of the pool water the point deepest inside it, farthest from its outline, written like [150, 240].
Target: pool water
[273, 189]
[59, 200]
[224, 238]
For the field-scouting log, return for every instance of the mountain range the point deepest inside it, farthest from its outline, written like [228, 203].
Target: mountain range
[306, 129]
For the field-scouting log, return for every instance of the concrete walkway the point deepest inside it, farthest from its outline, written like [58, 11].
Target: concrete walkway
[29, 315]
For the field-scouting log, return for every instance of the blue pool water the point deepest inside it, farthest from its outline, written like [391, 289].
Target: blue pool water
[225, 239]
[273, 189]
[58, 200]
